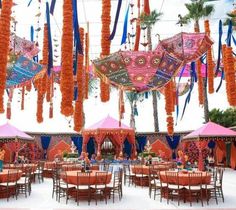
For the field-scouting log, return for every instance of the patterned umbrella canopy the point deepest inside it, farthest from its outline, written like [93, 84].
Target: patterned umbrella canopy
[141, 71]
[186, 46]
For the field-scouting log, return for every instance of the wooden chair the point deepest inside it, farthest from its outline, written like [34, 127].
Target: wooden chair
[39, 172]
[114, 187]
[100, 186]
[210, 189]
[152, 180]
[55, 181]
[24, 183]
[139, 175]
[82, 190]
[10, 186]
[128, 175]
[193, 189]
[173, 190]
[219, 183]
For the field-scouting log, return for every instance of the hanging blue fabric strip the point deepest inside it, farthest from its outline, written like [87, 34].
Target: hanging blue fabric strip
[229, 33]
[32, 33]
[52, 6]
[234, 40]
[219, 48]
[116, 20]
[125, 28]
[50, 50]
[221, 80]
[76, 28]
[0, 4]
[203, 58]
[29, 3]
[173, 143]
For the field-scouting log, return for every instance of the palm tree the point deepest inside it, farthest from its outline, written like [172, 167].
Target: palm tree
[149, 21]
[133, 97]
[231, 17]
[197, 10]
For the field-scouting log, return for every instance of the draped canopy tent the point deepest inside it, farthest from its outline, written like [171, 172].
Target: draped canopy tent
[209, 132]
[110, 128]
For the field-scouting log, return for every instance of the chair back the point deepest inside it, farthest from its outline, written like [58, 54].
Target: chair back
[220, 173]
[101, 178]
[81, 177]
[172, 177]
[116, 179]
[194, 179]
[12, 176]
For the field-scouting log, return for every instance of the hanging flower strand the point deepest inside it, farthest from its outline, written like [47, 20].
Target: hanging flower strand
[79, 112]
[66, 84]
[5, 24]
[105, 45]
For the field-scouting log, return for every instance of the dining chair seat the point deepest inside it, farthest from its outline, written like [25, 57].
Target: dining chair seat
[156, 181]
[83, 187]
[196, 187]
[9, 184]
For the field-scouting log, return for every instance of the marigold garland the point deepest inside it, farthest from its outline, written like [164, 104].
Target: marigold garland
[146, 8]
[48, 88]
[66, 84]
[29, 86]
[169, 104]
[138, 29]
[5, 24]
[105, 45]
[78, 114]
[230, 75]
[200, 82]
[51, 110]
[8, 114]
[210, 63]
[40, 98]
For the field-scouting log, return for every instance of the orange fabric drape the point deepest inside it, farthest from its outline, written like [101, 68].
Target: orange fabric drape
[201, 145]
[161, 149]
[220, 151]
[233, 156]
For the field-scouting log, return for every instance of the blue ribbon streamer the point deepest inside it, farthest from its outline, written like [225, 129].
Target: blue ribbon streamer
[116, 20]
[52, 6]
[32, 33]
[221, 80]
[219, 48]
[234, 40]
[29, 3]
[229, 34]
[50, 51]
[124, 36]
[0, 4]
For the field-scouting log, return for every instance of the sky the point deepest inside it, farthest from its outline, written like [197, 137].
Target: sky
[90, 11]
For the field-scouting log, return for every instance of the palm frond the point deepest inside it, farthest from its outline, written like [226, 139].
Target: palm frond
[208, 10]
[231, 15]
[150, 20]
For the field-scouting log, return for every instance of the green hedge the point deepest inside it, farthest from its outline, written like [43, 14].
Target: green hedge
[145, 154]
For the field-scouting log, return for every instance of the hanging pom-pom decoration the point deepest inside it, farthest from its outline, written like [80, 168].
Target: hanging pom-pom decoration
[79, 112]
[105, 45]
[5, 24]
[51, 110]
[66, 84]
[9, 109]
[210, 63]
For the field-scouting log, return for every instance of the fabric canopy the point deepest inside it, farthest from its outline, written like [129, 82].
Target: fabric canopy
[211, 130]
[109, 128]
[9, 133]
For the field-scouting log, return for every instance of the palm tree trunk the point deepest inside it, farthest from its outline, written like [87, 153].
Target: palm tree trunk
[205, 104]
[155, 111]
[154, 93]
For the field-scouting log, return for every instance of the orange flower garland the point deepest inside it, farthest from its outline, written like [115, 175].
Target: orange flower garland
[200, 82]
[5, 21]
[29, 86]
[105, 45]
[168, 91]
[8, 110]
[138, 29]
[48, 88]
[78, 114]
[51, 110]
[66, 84]
[40, 98]
[210, 63]
[86, 87]
[230, 75]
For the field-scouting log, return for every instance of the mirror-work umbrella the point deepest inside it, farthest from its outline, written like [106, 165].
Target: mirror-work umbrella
[141, 71]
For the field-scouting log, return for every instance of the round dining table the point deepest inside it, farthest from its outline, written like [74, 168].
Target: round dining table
[184, 178]
[21, 167]
[143, 169]
[71, 178]
[4, 174]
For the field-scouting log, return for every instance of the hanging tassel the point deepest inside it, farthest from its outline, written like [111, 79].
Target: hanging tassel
[51, 110]
[105, 91]
[23, 98]
[9, 110]
[29, 86]
[5, 24]
[66, 80]
[210, 62]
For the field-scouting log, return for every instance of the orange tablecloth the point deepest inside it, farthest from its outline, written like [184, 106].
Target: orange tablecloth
[21, 167]
[3, 175]
[183, 178]
[145, 169]
[72, 178]
[77, 167]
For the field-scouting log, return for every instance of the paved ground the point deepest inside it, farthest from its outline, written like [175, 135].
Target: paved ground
[133, 199]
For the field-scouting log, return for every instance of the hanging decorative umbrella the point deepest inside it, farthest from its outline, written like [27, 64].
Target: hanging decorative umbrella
[141, 71]
[138, 71]
[186, 46]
